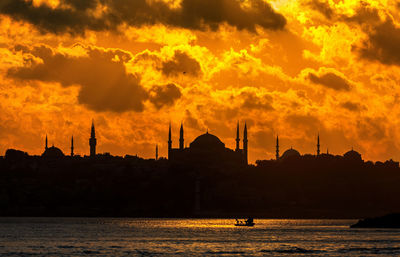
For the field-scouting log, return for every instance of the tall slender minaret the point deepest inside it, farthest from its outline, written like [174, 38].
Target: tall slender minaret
[245, 141]
[156, 152]
[318, 151]
[277, 147]
[92, 141]
[45, 147]
[72, 145]
[237, 138]
[169, 142]
[181, 141]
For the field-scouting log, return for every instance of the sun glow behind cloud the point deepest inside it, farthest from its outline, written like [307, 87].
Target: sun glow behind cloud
[312, 67]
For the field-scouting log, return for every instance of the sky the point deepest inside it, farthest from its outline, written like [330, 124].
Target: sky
[287, 68]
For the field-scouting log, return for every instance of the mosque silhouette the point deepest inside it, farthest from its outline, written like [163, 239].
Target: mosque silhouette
[205, 148]
[203, 178]
[55, 152]
[208, 147]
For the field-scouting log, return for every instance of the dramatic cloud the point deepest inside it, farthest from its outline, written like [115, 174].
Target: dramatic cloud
[322, 7]
[383, 36]
[137, 65]
[330, 80]
[383, 44]
[192, 122]
[164, 95]
[77, 16]
[252, 101]
[372, 128]
[181, 64]
[354, 107]
[105, 84]
[364, 15]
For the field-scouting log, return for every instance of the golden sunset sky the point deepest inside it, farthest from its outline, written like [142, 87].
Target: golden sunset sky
[293, 68]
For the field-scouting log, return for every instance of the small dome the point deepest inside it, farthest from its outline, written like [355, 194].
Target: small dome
[352, 155]
[53, 152]
[290, 153]
[207, 141]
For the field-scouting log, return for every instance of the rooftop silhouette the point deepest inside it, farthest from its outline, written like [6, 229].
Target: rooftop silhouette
[204, 179]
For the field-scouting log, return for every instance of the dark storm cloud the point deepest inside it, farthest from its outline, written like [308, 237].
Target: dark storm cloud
[195, 13]
[252, 101]
[372, 128]
[164, 95]
[383, 36]
[53, 20]
[382, 41]
[75, 16]
[191, 121]
[181, 64]
[330, 80]
[351, 106]
[264, 138]
[308, 123]
[364, 15]
[101, 74]
[383, 44]
[322, 7]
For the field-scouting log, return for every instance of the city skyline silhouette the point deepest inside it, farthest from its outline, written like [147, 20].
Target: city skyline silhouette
[209, 142]
[199, 127]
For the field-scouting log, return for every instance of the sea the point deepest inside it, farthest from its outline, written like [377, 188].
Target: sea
[191, 237]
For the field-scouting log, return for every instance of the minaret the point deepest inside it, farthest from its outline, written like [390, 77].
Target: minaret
[277, 147]
[181, 141]
[237, 138]
[245, 143]
[72, 146]
[318, 151]
[169, 142]
[92, 141]
[45, 147]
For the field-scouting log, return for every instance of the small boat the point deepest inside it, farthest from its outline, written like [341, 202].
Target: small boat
[245, 223]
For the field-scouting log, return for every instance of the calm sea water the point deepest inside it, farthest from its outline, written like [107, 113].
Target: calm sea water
[191, 237]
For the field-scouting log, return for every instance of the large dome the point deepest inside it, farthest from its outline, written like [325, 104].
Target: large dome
[207, 141]
[352, 155]
[53, 152]
[290, 153]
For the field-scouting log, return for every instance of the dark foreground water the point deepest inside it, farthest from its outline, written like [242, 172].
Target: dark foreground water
[191, 237]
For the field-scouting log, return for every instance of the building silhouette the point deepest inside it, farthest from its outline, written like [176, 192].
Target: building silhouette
[72, 146]
[205, 149]
[92, 141]
[51, 152]
[208, 148]
[292, 153]
[55, 152]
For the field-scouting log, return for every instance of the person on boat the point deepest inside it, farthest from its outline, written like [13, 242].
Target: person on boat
[249, 221]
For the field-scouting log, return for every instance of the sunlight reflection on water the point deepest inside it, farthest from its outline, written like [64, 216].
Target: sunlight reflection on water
[190, 237]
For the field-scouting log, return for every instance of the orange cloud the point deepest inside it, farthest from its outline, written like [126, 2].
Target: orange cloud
[77, 16]
[327, 67]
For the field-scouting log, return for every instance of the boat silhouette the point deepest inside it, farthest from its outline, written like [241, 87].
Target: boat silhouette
[245, 223]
